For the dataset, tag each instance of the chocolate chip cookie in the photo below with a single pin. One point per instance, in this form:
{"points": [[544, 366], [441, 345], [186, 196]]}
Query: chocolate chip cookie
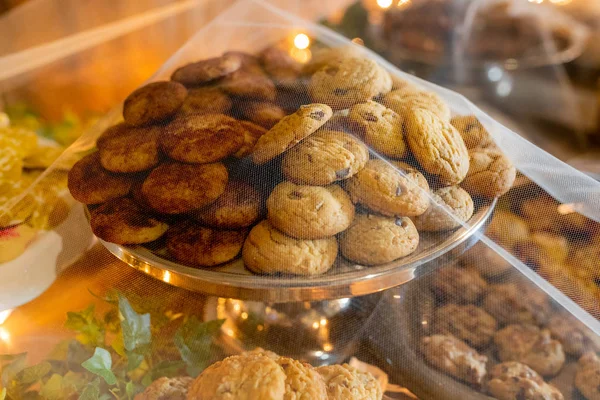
{"points": [[345, 382], [514, 303], [491, 174], [468, 323], [238, 207], [587, 377], [408, 99], [153, 103], [207, 70], [575, 337], [472, 131], [458, 285], [450, 207], [512, 380]]}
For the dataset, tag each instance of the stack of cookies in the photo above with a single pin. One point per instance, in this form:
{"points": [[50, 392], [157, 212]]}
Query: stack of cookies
{"points": [[288, 165]]}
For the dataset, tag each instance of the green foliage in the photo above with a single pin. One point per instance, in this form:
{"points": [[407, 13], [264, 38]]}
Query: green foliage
{"points": [[194, 342], [100, 364]]}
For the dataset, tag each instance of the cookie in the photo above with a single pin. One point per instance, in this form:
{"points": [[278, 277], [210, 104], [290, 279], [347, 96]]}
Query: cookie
{"points": [[329, 56], [345, 382], [349, 81], [473, 133], [268, 251], [449, 209], [458, 285], [89, 183], [262, 113], [201, 138], [491, 174], [513, 303], [380, 127], [575, 337], [401, 83], [468, 323], [207, 70], [392, 189], [175, 188], [531, 346], [251, 82], [238, 207], [251, 133], [587, 377], [512, 380], [153, 103], [374, 239], [132, 150], [325, 157], [302, 381], [277, 62], [206, 100], [309, 212], [437, 146], [121, 221], [507, 229], [543, 248], [289, 131], [407, 99], [166, 388]]}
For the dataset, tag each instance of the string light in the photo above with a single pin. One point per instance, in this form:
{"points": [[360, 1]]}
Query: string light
{"points": [[301, 41], [384, 3]]}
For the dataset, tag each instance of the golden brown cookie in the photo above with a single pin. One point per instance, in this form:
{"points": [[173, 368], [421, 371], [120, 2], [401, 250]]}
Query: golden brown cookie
{"points": [[132, 150], [302, 381], [380, 127], [587, 377], [277, 62], [374, 239], [268, 251], [175, 188], [325, 157], [345, 382], [167, 389], [206, 100], [263, 113], [473, 133], [250, 81], [207, 70], [238, 207], [449, 209], [468, 323], [575, 337], [329, 56], [491, 173], [153, 103], [401, 83], [437, 146], [458, 285], [289, 131], [516, 303], [89, 183], [309, 212], [193, 244], [121, 221], [392, 189], [512, 380], [405, 100], [202, 138], [251, 133]]}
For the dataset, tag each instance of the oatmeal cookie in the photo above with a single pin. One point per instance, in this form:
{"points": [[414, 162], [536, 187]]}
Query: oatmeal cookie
{"points": [[405, 100], [175, 188], [205, 100], [193, 244], [121, 221], [166, 389], [238, 207], [531, 346], [473, 133], [380, 127], [437, 146], [513, 303], [512, 380], [309, 212], [269, 251], [374, 239], [587, 377], [131, 150], [263, 113], [251, 133], [89, 183], [154, 102], [325, 157], [391, 189], [491, 174], [289, 131], [345, 382], [302, 381], [458, 285], [202, 138], [207, 70], [451, 206], [455, 358], [468, 323], [574, 336]]}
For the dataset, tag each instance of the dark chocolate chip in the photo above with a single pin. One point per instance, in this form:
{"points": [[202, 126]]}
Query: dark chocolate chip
{"points": [[401, 222], [370, 117], [317, 115]]}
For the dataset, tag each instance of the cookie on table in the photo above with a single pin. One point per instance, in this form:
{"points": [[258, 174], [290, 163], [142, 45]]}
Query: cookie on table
{"points": [[587, 377], [531, 346], [455, 358], [130, 150], [251, 133], [238, 207], [345, 382], [575, 337], [513, 380], [196, 245], [167, 388], [89, 183], [283, 68], [408, 99], [153, 103], [175, 188], [325, 157], [458, 285], [201, 138], [449, 208], [309, 212], [374, 239], [380, 127], [122, 221], [289, 131], [473, 132], [263, 113], [392, 189], [512, 303], [269, 251], [206, 100], [468, 323], [207, 70], [491, 174]]}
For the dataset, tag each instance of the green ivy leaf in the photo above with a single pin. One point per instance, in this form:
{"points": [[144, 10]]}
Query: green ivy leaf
{"points": [[90, 330], [91, 391], [135, 327], [10, 371], [30, 375], [133, 360], [194, 341], [130, 390], [100, 364], [147, 380], [54, 389], [77, 353]]}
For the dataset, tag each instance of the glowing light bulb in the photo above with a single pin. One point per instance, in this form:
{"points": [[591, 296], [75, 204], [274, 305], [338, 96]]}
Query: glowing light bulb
{"points": [[4, 335], [323, 321], [315, 325], [384, 3], [301, 41], [244, 315]]}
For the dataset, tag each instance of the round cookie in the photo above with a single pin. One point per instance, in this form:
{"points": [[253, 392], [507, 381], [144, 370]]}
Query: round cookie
{"points": [[374, 239], [289, 131], [309, 212], [469, 323], [407, 99], [202, 138], [251, 133], [249, 82], [175, 188], [450, 207], [575, 337], [325, 157], [380, 127], [329, 55], [278, 63], [207, 70], [302, 381], [345, 382], [458, 285], [89, 183], [121, 221], [238, 207], [513, 303], [587, 377], [154, 102], [268, 251], [131, 150], [206, 100], [473, 133], [166, 388], [195, 245], [512, 380], [380, 187], [263, 113], [491, 174]]}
